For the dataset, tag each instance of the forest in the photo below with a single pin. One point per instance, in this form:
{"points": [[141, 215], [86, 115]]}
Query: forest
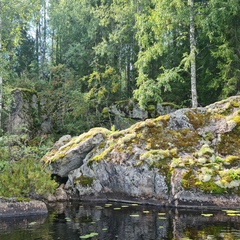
{"points": [[83, 56]]}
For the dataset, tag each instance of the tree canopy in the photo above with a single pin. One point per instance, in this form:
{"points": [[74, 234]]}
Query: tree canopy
{"points": [[82, 56]]}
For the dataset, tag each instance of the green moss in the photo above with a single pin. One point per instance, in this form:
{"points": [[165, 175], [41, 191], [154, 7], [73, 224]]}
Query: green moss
{"points": [[24, 90], [163, 119], [105, 110], [197, 120], [233, 161], [154, 156], [207, 171], [229, 143], [84, 181], [208, 136], [184, 139], [236, 119], [55, 155], [159, 159], [189, 180], [23, 199], [151, 108], [235, 104], [206, 151], [209, 187]]}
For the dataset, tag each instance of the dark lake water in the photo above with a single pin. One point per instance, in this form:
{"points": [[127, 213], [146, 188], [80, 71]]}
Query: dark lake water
{"points": [[110, 221]]}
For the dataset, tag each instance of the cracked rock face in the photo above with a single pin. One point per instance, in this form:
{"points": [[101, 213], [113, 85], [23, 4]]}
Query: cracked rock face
{"points": [[110, 180], [188, 157]]}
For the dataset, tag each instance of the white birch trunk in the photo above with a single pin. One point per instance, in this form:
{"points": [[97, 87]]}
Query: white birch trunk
{"points": [[193, 56]]}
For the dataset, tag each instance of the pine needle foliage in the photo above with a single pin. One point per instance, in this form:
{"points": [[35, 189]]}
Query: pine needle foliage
{"points": [[26, 178]]}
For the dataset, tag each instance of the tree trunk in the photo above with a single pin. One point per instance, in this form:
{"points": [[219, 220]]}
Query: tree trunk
{"points": [[44, 40], [37, 45], [1, 79], [193, 56]]}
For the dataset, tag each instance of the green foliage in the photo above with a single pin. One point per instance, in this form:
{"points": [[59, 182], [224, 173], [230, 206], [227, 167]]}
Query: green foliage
{"points": [[22, 174], [26, 178], [103, 85], [98, 52], [84, 181]]}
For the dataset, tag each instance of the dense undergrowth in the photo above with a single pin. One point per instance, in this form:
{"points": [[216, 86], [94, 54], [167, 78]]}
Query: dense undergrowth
{"points": [[22, 175]]}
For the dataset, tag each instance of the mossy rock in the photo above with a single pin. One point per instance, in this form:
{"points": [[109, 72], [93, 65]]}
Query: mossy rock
{"points": [[57, 154], [189, 180]]}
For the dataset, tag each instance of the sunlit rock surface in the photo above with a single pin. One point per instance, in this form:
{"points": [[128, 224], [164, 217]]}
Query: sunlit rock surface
{"points": [[188, 157]]}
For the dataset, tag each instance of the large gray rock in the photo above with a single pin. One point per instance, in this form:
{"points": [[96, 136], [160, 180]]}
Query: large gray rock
{"points": [[24, 111], [27, 113], [188, 157], [115, 181]]}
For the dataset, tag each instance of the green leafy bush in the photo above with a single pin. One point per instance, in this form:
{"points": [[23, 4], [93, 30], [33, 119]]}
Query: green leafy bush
{"points": [[22, 175], [26, 178]]}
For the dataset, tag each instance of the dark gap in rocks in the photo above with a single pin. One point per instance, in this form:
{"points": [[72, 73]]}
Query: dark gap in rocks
{"points": [[60, 180]]}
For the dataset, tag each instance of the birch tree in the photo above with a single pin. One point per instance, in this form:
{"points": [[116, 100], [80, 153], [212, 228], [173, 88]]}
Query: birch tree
{"points": [[193, 56]]}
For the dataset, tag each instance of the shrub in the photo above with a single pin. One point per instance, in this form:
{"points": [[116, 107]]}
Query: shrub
{"points": [[26, 178]]}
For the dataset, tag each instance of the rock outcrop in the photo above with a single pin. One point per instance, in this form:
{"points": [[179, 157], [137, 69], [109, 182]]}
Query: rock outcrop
{"points": [[126, 113], [14, 208], [27, 113], [190, 157]]}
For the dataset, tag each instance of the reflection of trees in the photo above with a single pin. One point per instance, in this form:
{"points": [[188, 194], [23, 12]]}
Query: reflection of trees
{"points": [[12, 226], [69, 222], [191, 224]]}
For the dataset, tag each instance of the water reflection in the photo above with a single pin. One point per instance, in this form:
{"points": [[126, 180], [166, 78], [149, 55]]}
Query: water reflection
{"points": [[108, 221]]}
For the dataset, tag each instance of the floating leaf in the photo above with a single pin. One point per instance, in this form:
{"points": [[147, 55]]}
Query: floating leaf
{"points": [[98, 207], [207, 214], [93, 234], [104, 229], [89, 235], [146, 212], [117, 208], [233, 214], [232, 211], [108, 205], [161, 227], [85, 236]]}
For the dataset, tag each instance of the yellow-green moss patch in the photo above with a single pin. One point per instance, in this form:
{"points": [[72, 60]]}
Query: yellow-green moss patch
{"points": [[60, 153], [85, 181]]}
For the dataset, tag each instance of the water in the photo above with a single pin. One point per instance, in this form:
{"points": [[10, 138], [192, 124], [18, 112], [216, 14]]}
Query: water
{"points": [[109, 221]]}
